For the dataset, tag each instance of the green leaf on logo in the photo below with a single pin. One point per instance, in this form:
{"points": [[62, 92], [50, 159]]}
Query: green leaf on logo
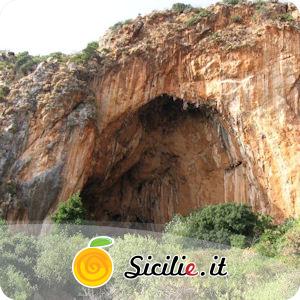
{"points": [[101, 241]]}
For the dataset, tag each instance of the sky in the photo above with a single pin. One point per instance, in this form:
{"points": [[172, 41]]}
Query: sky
{"points": [[45, 26]]}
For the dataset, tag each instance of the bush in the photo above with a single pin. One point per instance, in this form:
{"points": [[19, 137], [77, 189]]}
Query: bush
{"points": [[216, 223], [269, 242], [286, 17], [264, 222], [130, 245], [70, 212], [116, 26], [237, 241], [56, 253], [87, 53], [15, 284], [18, 250], [18, 254], [120, 24], [181, 7], [26, 63], [232, 2], [4, 91], [192, 21], [251, 276], [237, 19], [202, 13], [250, 273], [59, 56], [290, 244], [90, 50], [3, 65], [259, 4], [2, 223], [283, 239]]}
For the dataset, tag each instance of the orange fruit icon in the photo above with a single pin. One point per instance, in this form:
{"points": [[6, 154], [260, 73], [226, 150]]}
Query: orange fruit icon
{"points": [[92, 266]]}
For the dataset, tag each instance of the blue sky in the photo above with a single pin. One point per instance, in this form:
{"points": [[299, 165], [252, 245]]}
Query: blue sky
{"points": [[44, 26]]}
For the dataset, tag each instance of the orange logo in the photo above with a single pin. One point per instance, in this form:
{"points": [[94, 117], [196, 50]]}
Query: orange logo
{"points": [[92, 266]]}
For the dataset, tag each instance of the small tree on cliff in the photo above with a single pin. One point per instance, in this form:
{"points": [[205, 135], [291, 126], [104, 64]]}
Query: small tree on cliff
{"points": [[70, 212]]}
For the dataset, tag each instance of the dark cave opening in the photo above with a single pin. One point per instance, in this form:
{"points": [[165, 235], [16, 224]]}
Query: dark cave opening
{"points": [[168, 157]]}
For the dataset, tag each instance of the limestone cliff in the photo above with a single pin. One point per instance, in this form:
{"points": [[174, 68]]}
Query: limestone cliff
{"points": [[178, 110]]}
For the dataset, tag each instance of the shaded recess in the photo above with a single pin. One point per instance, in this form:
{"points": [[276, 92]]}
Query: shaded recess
{"points": [[168, 157]]}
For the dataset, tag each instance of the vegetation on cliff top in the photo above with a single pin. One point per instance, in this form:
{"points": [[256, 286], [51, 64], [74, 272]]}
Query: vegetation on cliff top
{"points": [[22, 64]]}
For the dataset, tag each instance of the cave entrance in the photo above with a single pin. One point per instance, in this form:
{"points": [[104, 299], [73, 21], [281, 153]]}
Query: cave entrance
{"points": [[168, 157]]}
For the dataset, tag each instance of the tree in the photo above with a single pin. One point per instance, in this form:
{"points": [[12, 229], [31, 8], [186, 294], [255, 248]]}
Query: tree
{"points": [[70, 212]]}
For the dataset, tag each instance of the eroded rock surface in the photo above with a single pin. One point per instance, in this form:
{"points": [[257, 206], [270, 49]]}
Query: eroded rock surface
{"points": [[171, 117]]}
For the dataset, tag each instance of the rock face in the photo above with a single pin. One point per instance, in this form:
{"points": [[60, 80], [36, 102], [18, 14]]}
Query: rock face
{"points": [[180, 110]]}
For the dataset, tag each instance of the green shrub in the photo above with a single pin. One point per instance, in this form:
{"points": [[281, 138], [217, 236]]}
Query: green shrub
{"points": [[269, 242], [70, 212], [15, 284], [216, 223], [202, 13], [250, 273], [280, 240], [59, 56], [237, 241], [237, 19], [3, 65], [264, 222], [261, 7], [286, 17], [181, 7], [133, 244], [192, 21], [120, 24], [18, 250], [89, 52], [116, 26], [179, 225], [4, 91], [259, 3], [128, 21], [26, 63], [56, 253], [251, 276], [290, 242], [232, 2]]}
